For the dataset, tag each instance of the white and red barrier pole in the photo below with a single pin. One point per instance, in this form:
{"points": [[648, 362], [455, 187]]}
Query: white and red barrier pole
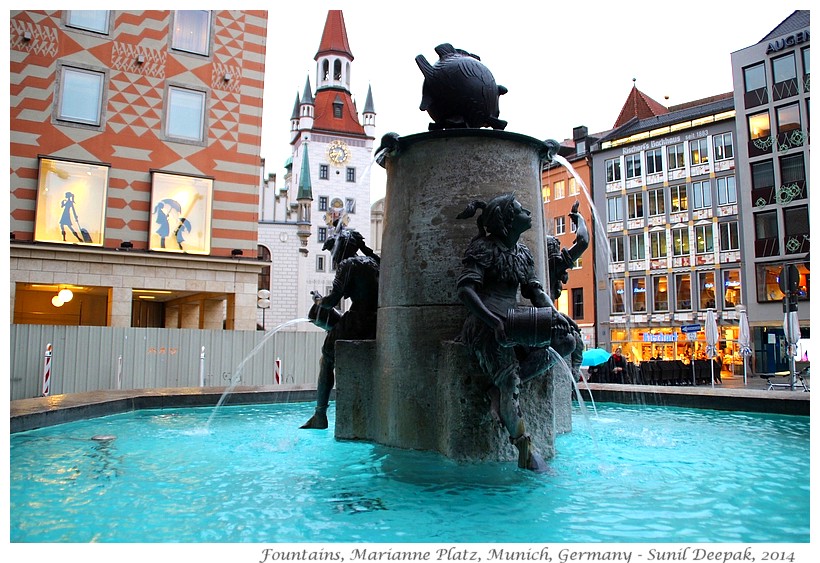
{"points": [[277, 371], [47, 371]]}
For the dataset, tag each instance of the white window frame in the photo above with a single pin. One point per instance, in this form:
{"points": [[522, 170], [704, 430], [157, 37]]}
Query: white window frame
{"points": [[95, 21], [186, 22], [654, 196], [178, 94], [560, 225], [614, 209], [632, 163], [726, 190], [704, 239], [75, 87], [724, 146], [613, 170], [702, 195], [675, 153]]}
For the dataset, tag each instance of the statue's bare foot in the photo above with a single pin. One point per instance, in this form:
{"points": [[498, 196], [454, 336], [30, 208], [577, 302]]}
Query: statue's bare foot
{"points": [[528, 458], [316, 422]]}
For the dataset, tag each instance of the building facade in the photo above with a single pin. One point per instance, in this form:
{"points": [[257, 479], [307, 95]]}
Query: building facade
{"points": [[771, 94], [326, 181], [561, 190], [135, 167], [665, 184]]}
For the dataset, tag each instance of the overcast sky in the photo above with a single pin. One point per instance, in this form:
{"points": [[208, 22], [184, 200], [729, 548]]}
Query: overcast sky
{"points": [[564, 64]]}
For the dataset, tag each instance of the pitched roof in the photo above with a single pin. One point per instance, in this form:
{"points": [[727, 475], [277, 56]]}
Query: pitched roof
{"points": [[334, 36], [638, 105], [797, 20], [324, 118], [305, 188]]}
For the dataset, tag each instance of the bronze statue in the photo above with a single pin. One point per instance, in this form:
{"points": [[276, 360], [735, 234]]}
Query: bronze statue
{"points": [[357, 278], [495, 266], [459, 91], [560, 261]]}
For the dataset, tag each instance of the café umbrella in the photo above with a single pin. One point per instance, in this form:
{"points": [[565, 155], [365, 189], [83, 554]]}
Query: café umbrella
{"points": [[711, 339], [744, 340], [594, 357]]}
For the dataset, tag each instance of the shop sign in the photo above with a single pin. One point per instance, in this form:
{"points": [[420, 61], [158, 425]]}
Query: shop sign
{"points": [[788, 41], [649, 337]]}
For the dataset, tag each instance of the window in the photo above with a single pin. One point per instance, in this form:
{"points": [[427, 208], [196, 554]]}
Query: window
{"points": [[675, 156], [792, 169], [731, 288], [71, 202], [614, 209], [618, 296], [560, 226], [706, 290], [320, 263], [759, 127], [545, 194], [679, 199], [699, 152], [767, 234], [806, 66], [81, 96], [654, 161], [351, 175], [89, 20], [783, 68], [321, 234], [322, 203], [324, 172], [683, 292], [613, 170], [634, 204], [350, 205], [754, 77], [633, 166], [616, 249], [726, 190], [637, 247], [680, 242], [578, 303], [657, 244], [796, 227], [762, 174], [704, 240], [572, 187], [701, 195], [192, 31], [660, 293], [724, 149], [185, 118], [639, 295], [181, 213], [788, 118], [729, 236], [263, 280], [337, 106], [558, 189], [657, 202]]}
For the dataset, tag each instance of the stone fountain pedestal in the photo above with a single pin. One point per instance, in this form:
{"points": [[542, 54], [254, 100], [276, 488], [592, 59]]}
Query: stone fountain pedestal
{"points": [[415, 386]]}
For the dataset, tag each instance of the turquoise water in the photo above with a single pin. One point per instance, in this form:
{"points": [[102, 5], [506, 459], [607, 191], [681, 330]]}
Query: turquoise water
{"points": [[629, 474]]}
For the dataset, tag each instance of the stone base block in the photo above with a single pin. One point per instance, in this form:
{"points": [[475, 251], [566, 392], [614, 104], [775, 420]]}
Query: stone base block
{"points": [[459, 425]]}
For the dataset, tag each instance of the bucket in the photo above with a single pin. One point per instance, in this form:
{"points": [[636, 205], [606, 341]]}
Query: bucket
{"points": [[530, 326], [324, 318]]}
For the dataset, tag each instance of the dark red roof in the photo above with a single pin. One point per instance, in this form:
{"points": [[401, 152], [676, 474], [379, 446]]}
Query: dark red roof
{"points": [[639, 105], [334, 36], [323, 112]]}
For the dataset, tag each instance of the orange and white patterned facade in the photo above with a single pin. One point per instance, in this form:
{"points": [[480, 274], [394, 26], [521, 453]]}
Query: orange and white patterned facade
{"points": [[135, 166]]}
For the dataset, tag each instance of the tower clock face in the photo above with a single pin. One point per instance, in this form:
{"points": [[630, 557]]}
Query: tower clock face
{"points": [[338, 153]]}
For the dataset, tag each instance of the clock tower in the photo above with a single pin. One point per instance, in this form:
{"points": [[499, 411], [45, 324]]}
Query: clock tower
{"points": [[333, 147]]}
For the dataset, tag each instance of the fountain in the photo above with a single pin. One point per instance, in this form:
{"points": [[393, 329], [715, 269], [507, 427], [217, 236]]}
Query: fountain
{"points": [[416, 386]]}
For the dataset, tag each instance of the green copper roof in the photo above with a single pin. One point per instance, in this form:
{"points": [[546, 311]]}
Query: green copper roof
{"points": [[305, 189]]}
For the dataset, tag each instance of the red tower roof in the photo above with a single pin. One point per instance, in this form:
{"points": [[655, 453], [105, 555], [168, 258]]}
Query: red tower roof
{"points": [[639, 105], [334, 37]]}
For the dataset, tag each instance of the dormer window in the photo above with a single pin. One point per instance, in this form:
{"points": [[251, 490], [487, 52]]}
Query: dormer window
{"points": [[337, 107]]}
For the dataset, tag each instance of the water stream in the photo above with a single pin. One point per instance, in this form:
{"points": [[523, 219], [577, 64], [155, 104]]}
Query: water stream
{"points": [[237, 377]]}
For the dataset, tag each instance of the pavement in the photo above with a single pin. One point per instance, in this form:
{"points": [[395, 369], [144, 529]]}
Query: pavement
{"points": [[731, 394]]}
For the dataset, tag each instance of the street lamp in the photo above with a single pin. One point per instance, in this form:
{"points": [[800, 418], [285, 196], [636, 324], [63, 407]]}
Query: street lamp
{"points": [[263, 302]]}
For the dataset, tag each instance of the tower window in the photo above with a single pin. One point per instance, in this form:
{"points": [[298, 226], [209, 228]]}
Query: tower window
{"points": [[337, 110]]}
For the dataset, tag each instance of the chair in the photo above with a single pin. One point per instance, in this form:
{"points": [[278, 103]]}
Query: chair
{"points": [[647, 377]]}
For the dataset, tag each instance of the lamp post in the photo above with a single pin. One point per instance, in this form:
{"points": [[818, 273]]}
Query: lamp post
{"points": [[263, 302]]}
